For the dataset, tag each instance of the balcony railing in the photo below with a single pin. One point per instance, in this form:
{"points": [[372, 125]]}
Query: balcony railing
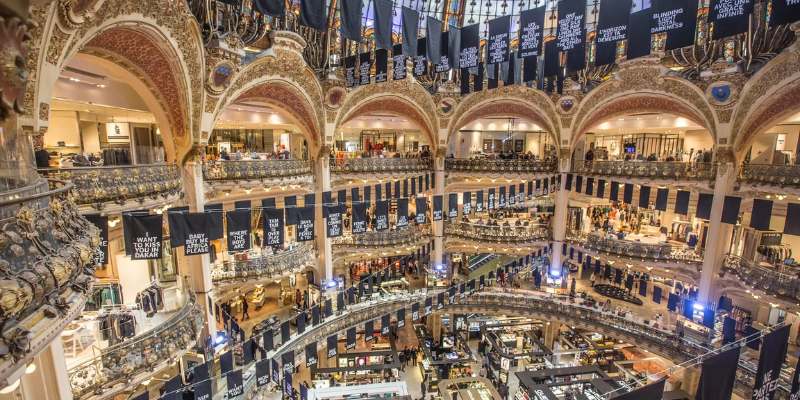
{"points": [[380, 165], [768, 174], [266, 266], [771, 281], [119, 183], [225, 170], [125, 364], [668, 170], [635, 249], [396, 237], [498, 166], [498, 234]]}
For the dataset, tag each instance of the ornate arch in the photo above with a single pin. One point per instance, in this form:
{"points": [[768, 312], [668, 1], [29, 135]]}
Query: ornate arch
{"points": [[403, 97], [768, 98], [284, 74], [515, 101], [158, 42], [642, 88]]}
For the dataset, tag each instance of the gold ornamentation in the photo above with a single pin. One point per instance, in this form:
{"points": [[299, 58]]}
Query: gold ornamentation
{"points": [[13, 74]]}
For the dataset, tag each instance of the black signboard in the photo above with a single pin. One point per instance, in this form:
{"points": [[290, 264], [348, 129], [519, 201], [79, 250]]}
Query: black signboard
{"points": [[333, 343], [381, 65], [398, 72], [730, 17], [612, 26], [238, 223], [381, 215], [437, 208], [350, 71], [146, 236], [359, 223], [470, 46], [452, 205], [530, 32], [422, 208], [773, 353], [304, 231], [498, 46], [364, 67]]}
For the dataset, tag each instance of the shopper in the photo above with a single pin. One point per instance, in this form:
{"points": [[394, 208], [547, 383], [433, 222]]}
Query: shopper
{"points": [[245, 307]]}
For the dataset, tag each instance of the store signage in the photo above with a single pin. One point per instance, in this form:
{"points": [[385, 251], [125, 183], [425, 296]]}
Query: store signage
{"points": [[422, 208], [305, 224], [262, 372], [381, 215], [238, 222], [773, 352], [530, 32], [101, 222], [146, 236], [402, 212], [730, 17], [311, 354], [235, 386], [196, 239], [118, 132], [437, 208], [333, 342], [497, 50]]}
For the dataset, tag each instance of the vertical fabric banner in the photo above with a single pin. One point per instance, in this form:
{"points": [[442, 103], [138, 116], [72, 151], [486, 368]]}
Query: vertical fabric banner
{"points": [[402, 212], [350, 71], [215, 228], [499, 42], [262, 373], [383, 23], [531, 30], [443, 63], [304, 231], [350, 341], [401, 317], [385, 322], [422, 208], [381, 215], [452, 206], [479, 201], [381, 65], [466, 200], [359, 223], [470, 47], [410, 26], [652, 391], [146, 235], [437, 208], [612, 26], [773, 353], [420, 66], [784, 12], [678, 18], [433, 36], [313, 14], [399, 72], [490, 200], [273, 226], [350, 19], [311, 354], [761, 214], [571, 32], [274, 8], [196, 239], [717, 376], [639, 24], [369, 331], [333, 221], [177, 225], [101, 222], [238, 222], [794, 393], [364, 68], [333, 342], [729, 17], [454, 47], [235, 386]]}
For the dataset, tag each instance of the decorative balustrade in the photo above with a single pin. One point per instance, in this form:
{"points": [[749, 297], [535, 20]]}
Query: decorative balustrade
{"points": [[118, 184], [499, 166], [379, 165], [771, 281], [393, 237], [226, 170], [498, 234], [669, 170], [635, 249], [122, 366], [265, 266], [768, 174]]}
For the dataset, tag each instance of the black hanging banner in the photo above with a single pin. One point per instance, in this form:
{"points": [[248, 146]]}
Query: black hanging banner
{"points": [[202, 390], [639, 24], [678, 18], [652, 391], [290, 204], [415, 312], [773, 353], [530, 32], [730, 209], [794, 393], [350, 71], [501, 198], [730, 17], [215, 227], [274, 8], [784, 12], [454, 47], [571, 32], [383, 23], [704, 201], [311, 354], [402, 212], [101, 222], [238, 222], [364, 67], [761, 214], [682, 202], [422, 208], [627, 193], [490, 200], [276, 371], [359, 224], [466, 200], [399, 72], [235, 386], [452, 206], [333, 342], [304, 231], [369, 331], [433, 45], [792, 224], [196, 239], [661, 199], [385, 322], [718, 375], [551, 59], [262, 373], [612, 26], [273, 226], [350, 19], [146, 233], [401, 317], [644, 197], [421, 60], [410, 19], [470, 46], [350, 342], [177, 225], [498, 46], [601, 188], [479, 201], [381, 65], [381, 215], [313, 14], [437, 208], [443, 64]]}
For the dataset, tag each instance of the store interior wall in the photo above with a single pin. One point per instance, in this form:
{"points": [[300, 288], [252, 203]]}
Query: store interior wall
{"points": [[466, 143]]}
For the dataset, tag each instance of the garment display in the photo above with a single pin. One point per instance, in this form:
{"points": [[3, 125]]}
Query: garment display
{"points": [[151, 300], [116, 326], [104, 294], [116, 157]]}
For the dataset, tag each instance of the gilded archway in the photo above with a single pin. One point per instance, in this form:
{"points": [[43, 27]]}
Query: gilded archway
{"points": [[640, 88], [158, 42], [511, 101], [404, 97], [283, 79], [768, 98]]}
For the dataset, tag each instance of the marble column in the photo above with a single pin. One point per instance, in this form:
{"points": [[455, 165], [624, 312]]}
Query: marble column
{"points": [[438, 226], [322, 183], [559, 221], [719, 234]]}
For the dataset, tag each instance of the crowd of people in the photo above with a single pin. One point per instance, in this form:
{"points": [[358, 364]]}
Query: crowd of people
{"points": [[692, 156]]}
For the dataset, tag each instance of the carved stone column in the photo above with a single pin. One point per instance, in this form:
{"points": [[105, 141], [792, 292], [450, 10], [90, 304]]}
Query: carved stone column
{"points": [[437, 227], [322, 183], [559, 221]]}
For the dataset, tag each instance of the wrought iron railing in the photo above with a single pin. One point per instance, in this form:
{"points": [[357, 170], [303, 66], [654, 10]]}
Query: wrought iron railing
{"points": [[255, 169], [649, 169], [629, 248], [771, 281], [393, 237], [120, 183], [380, 165], [769, 174], [123, 364], [498, 234], [265, 266], [499, 166]]}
